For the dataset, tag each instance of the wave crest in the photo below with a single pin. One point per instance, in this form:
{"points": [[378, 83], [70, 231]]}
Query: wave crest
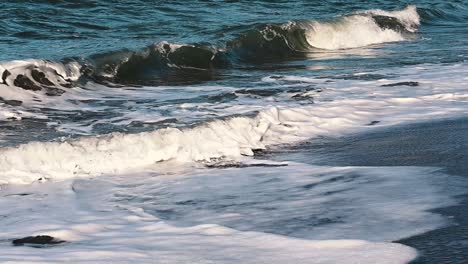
{"points": [[169, 62], [363, 29]]}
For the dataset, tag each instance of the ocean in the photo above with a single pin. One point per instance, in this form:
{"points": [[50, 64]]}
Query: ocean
{"points": [[219, 131]]}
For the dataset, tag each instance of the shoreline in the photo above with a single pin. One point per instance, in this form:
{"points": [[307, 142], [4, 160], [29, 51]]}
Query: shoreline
{"points": [[441, 143]]}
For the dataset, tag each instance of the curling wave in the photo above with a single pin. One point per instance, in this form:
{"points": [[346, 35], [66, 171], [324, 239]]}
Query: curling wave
{"points": [[168, 62]]}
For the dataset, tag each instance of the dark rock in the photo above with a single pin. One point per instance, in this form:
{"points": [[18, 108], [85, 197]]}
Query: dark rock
{"points": [[259, 92], [52, 91], [276, 77], [40, 77], [11, 102], [18, 194], [401, 84], [300, 97], [37, 240], [25, 83], [305, 89], [373, 123], [5, 75]]}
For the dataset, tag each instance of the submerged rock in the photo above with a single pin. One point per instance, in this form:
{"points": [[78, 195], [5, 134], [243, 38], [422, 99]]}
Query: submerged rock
{"points": [[401, 84], [11, 102], [259, 92], [52, 91], [375, 122], [37, 241]]}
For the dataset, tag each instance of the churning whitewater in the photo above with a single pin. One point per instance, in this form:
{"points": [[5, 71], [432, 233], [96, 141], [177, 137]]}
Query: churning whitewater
{"points": [[231, 131], [232, 138]]}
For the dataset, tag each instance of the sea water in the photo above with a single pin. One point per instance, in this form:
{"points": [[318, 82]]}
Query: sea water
{"points": [[155, 131]]}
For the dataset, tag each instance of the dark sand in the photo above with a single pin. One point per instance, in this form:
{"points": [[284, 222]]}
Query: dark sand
{"points": [[441, 144]]}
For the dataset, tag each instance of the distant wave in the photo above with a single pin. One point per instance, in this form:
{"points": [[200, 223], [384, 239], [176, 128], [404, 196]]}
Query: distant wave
{"points": [[164, 59]]}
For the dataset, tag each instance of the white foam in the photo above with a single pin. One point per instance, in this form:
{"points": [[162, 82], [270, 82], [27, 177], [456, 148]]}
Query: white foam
{"points": [[119, 153], [408, 16], [7, 114], [360, 30], [351, 32], [344, 106], [103, 231], [298, 200]]}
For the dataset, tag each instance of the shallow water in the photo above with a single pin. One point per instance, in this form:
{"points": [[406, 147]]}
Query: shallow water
{"points": [[148, 116]]}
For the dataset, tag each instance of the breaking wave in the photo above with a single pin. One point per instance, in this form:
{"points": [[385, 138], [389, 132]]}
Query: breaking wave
{"points": [[363, 29], [209, 141], [167, 62]]}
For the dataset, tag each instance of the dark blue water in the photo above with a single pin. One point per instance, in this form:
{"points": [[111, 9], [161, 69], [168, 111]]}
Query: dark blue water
{"points": [[64, 29]]}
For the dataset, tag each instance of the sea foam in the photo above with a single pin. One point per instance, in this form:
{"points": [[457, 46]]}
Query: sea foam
{"points": [[98, 230], [361, 29]]}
